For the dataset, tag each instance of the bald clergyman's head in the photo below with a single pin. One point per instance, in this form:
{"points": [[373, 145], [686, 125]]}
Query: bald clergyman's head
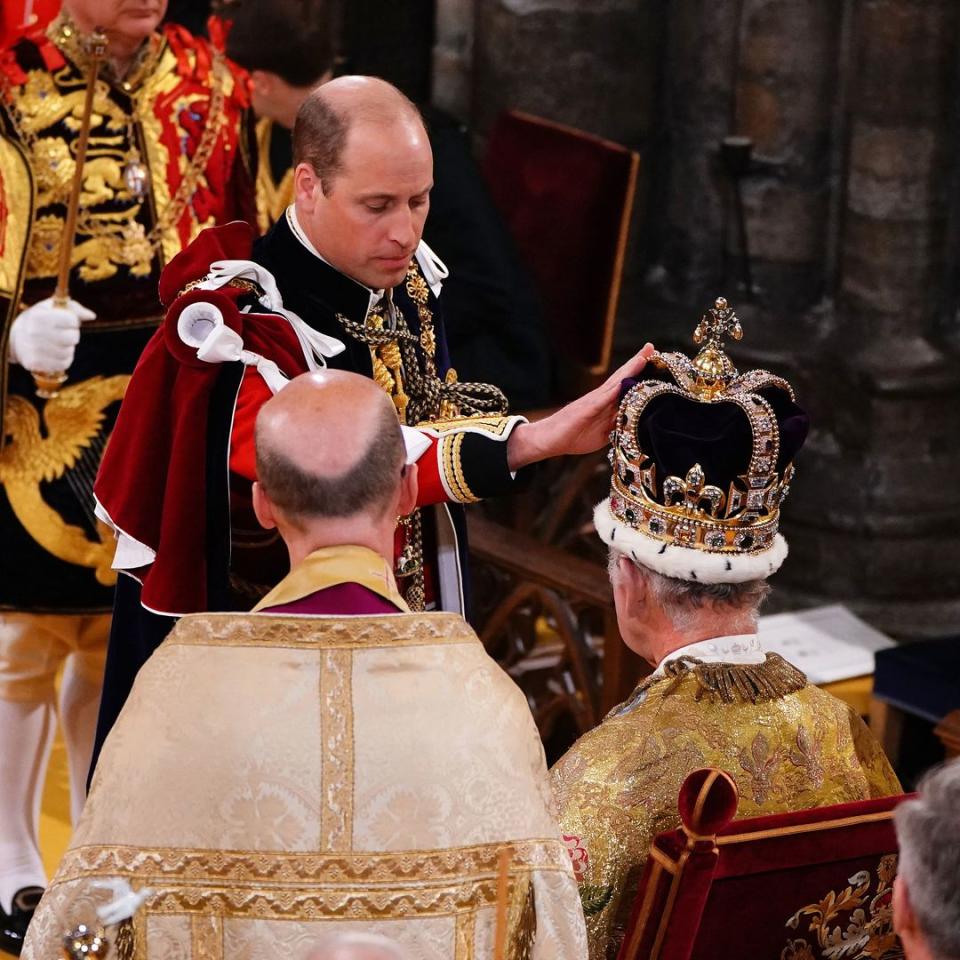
{"points": [[329, 445]]}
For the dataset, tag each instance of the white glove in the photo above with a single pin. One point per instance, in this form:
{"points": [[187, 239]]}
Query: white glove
{"points": [[44, 337]]}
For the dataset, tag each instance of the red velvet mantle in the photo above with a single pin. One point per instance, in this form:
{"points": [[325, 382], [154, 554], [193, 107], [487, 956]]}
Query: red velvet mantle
{"points": [[153, 480]]}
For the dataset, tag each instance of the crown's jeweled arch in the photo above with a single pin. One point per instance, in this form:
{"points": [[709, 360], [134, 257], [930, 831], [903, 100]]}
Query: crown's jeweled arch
{"points": [[688, 510]]}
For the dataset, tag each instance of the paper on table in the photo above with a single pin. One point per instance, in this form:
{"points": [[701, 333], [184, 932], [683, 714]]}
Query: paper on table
{"points": [[826, 643]]}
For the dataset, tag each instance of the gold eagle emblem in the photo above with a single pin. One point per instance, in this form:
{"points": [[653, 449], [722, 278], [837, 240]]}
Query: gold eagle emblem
{"points": [[58, 444]]}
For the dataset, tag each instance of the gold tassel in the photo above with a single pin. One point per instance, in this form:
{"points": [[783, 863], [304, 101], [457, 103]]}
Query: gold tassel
{"points": [[733, 682]]}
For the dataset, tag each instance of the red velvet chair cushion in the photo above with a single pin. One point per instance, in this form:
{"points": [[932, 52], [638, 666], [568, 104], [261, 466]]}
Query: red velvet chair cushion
{"points": [[565, 196]]}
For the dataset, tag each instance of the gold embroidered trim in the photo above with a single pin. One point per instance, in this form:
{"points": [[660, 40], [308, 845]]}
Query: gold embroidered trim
{"points": [[279, 886], [495, 426], [464, 935], [65, 439], [336, 728], [248, 286], [522, 922], [17, 199], [312, 633], [863, 916], [453, 469], [272, 197]]}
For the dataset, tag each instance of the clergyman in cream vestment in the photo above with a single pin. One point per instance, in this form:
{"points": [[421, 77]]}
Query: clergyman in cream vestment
{"points": [[275, 778]]}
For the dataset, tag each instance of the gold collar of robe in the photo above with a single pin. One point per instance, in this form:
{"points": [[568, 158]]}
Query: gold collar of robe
{"points": [[332, 566]]}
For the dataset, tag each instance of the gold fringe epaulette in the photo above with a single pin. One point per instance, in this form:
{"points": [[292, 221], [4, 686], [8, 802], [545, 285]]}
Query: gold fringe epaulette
{"points": [[737, 682]]}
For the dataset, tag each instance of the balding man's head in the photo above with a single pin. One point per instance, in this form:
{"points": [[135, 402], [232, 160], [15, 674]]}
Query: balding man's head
{"points": [[329, 445], [364, 171]]}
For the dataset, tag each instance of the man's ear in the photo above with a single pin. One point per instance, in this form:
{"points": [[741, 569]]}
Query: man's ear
{"points": [[632, 583], [262, 82], [263, 508], [904, 919], [306, 186], [409, 488]]}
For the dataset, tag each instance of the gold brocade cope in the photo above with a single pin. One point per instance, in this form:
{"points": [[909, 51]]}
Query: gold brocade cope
{"points": [[296, 774], [331, 566], [70, 442], [617, 787]]}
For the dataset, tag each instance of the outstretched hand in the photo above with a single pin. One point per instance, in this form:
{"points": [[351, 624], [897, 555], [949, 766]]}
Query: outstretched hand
{"points": [[581, 426]]}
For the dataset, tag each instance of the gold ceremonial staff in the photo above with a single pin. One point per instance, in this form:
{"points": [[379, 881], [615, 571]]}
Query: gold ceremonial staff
{"points": [[49, 382]]}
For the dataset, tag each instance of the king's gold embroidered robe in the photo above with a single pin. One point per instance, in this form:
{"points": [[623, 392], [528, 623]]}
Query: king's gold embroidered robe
{"points": [[617, 787], [272, 778]]}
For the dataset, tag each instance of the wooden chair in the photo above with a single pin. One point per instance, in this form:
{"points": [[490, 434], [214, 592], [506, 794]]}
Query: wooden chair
{"points": [[809, 885], [567, 199], [533, 581]]}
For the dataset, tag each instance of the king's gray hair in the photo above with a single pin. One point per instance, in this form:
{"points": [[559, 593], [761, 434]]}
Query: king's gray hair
{"points": [[682, 600], [928, 831]]}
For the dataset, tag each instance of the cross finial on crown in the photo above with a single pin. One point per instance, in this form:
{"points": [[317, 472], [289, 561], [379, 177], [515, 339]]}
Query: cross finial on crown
{"points": [[717, 323]]}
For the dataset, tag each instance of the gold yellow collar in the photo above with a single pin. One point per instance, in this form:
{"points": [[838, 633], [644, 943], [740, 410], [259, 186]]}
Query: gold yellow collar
{"points": [[331, 566]]}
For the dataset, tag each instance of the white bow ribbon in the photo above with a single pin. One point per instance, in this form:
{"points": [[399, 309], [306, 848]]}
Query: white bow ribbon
{"points": [[316, 346], [434, 269], [200, 325]]}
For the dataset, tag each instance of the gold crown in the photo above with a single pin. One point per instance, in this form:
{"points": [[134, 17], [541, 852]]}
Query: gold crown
{"points": [[688, 511]]}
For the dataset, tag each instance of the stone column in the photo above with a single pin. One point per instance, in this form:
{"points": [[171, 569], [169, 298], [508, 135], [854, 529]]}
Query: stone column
{"points": [[766, 70], [877, 514], [788, 94], [695, 112]]}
